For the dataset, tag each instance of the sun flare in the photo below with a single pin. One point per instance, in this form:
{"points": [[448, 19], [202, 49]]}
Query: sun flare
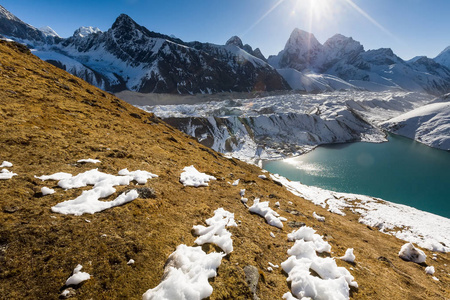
{"points": [[319, 9]]}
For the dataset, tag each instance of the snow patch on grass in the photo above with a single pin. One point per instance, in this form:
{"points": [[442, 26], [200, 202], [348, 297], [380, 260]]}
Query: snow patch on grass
{"points": [[186, 275], [103, 186], [6, 164], [349, 256], [411, 253], [188, 269], [77, 276], [47, 191], [318, 218], [89, 160], [332, 282], [216, 232], [263, 209], [5, 174], [192, 177]]}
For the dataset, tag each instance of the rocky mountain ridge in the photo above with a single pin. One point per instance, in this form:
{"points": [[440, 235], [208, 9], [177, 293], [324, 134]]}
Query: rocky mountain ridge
{"points": [[346, 59], [130, 57]]}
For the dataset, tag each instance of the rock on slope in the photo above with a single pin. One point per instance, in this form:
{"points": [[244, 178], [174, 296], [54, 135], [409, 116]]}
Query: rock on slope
{"points": [[50, 119]]}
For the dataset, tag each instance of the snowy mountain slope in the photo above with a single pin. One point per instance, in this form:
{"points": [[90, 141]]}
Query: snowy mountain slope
{"points": [[130, 57], [374, 70], [313, 83], [48, 31], [14, 28], [429, 124], [444, 57]]}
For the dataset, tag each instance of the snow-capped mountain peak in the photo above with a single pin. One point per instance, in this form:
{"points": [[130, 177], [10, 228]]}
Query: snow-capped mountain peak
{"points": [[339, 44], [124, 20], [5, 14], [444, 57], [48, 31], [85, 31], [235, 40], [301, 42]]}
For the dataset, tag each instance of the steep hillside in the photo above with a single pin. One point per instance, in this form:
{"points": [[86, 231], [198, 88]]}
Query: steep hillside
{"points": [[49, 120]]}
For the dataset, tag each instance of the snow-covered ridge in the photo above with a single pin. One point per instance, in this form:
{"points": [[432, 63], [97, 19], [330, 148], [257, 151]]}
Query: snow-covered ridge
{"points": [[444, 57], [429, 124], [84, 31], [48, 31]]}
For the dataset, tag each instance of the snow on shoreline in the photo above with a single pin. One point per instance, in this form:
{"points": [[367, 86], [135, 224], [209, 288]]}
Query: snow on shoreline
{"points": [[425, 229]]}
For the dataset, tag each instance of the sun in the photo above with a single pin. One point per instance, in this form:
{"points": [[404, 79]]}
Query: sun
{"points": [[318, 9]]}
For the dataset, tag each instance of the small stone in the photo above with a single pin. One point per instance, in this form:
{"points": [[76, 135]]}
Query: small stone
{"points": [[252, 278], [10, 209], [67, 293], [295, 224], [146, 193]]}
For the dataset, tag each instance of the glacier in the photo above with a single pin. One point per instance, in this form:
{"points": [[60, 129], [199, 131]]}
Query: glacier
{"points": [[277, 126]]}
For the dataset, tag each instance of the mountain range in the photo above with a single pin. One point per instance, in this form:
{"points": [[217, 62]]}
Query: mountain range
{"points": [[130, 57]]}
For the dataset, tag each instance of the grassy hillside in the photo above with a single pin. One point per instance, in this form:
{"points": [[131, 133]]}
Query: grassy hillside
{"points": [[50, 119]]}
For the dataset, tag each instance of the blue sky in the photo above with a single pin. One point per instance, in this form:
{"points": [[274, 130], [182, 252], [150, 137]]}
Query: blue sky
{"points": [[409, 27]]}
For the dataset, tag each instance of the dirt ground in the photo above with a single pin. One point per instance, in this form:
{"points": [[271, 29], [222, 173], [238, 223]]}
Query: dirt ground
{"points": [[49, 119]]}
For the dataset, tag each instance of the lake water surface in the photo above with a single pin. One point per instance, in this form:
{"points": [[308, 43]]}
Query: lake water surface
{"points": [[401, 171]]}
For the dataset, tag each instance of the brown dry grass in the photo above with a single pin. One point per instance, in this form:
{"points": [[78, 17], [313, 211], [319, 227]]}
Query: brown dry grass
{"points": [[50, 119]]}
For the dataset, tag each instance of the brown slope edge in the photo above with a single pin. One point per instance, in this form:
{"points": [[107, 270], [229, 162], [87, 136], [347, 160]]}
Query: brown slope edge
{"points": [[50, 119]]}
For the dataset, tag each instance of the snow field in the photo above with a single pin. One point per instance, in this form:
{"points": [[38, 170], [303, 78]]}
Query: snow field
{"points": [[191, 177], [188, 269], [103, 186], [263, 209], [333, 282]]}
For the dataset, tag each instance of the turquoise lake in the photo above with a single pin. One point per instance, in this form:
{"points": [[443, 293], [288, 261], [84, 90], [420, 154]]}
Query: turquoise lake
{"points": [[401, 171]]}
